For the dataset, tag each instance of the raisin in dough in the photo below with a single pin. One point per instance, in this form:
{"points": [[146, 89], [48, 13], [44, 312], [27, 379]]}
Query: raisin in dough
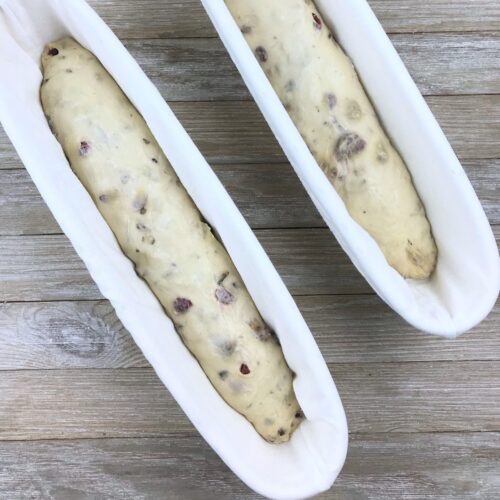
{"points": [[113, 153], [319, 87]]}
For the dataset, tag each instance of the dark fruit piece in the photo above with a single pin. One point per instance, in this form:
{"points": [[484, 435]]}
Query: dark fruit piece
{"points": [[261, 54], [84, 148], [181, 305], [332, 100], [317, 21], [224, 296], [348, 145]]}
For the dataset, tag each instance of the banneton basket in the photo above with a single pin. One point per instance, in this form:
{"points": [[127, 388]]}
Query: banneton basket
{"points": [[465, 285], [310, 462]]}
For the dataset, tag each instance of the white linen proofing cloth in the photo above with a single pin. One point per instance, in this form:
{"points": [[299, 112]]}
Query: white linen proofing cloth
{"points": [[310, 462], [465, 285]]}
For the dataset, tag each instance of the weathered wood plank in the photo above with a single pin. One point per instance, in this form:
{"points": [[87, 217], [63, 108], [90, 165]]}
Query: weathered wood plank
{"points": [[269, 196], [43, 268], [50, 335], [155, 18], [57, 404], [46, 268], [395, 466], [235, 132], [8, 155], [420, 397], [200, 69], [229, 132], [363, 329], [378, 397], [172, 18], [445, 466], [22, 209], [34, 268], [193, 69], [225, 132], [310, 255], [410, 16], [452, 64], [485, 178], [197, 69], [460, 126], [348, 329], [240, 126]]}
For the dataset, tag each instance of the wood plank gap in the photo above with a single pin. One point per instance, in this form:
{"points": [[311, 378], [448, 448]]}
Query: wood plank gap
{"points": [[331, 364], [416, 33], [189, 435]]}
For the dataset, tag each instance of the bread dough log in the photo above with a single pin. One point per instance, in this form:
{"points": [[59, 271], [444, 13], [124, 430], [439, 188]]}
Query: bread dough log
{"points": [[319, 87], [115, 156]]}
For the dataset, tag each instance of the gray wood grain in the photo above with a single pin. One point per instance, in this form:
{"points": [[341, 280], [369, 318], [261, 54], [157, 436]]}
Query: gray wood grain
{"points": [[42, 268], [411, 16], [430, 466], [235, 132], [377, 397], [173, 18], [200, 69], [444, 63], [348, 329], [268, 195], [189, 69], [155, 18], [59, 335], [8, 156], [392, 467], [362, 329], [46, 268]]}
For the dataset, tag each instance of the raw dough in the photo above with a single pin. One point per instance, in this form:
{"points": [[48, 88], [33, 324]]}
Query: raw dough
{"points": [[320, 89], [115, 156]]}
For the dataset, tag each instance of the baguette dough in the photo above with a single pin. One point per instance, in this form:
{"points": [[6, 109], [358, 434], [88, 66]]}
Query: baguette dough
{"points": [[320, 89], [115, 156]]}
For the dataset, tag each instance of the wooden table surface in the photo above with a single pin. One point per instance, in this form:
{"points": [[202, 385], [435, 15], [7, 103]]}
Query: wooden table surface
{"points": [[82, 415]]}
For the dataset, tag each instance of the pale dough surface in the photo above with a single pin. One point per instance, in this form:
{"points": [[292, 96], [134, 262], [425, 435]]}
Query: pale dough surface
{"points": [[113, 153], [320, 89]]}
